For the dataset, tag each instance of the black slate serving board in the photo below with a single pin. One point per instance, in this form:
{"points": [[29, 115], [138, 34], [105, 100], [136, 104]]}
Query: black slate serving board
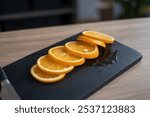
{"points": [[78, 84]]}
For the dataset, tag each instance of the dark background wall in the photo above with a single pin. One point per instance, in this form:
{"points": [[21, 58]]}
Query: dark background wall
{"points": [[20, 14]]}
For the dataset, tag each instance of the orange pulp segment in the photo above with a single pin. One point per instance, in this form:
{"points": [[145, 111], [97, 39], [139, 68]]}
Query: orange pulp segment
{"points": [[60, 55], [45, 77], [92, 41], [82, 49], [49, 66], [99, 36]]}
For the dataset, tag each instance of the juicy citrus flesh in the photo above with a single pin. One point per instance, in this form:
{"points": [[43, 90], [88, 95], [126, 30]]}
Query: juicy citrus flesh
{"points": [[92, 41], [99, 36], [45, 77], [82, 49], [60, 55], [49, 66]]}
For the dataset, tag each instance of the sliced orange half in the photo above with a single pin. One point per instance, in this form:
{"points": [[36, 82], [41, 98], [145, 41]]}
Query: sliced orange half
{"points": [[49, 66], [45, 77], [82, 49], [92, 41], [60, 55], [99, 36]]}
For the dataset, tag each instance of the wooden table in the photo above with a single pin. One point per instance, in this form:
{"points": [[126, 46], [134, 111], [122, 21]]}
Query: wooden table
{"points": [[133, 84]]}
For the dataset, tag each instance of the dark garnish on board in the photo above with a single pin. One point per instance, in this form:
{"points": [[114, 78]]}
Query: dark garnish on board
{"points": [[107, 56]]}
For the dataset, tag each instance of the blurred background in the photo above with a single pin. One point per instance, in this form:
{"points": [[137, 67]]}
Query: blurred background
{"points": [[23, 14]]}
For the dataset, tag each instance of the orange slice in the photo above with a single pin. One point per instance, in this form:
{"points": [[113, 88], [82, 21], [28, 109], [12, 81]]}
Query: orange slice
{"points": [[92, 41], [99, 36], [49, 66], [82, 49], [45, 77], [60, 55]]}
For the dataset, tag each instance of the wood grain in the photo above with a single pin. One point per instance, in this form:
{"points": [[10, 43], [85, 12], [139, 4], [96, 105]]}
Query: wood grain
{"points": [[133, 84]]}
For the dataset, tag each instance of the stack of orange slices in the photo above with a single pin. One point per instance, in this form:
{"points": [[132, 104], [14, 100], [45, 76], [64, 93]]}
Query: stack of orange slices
{"points": [[60, 60]]}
